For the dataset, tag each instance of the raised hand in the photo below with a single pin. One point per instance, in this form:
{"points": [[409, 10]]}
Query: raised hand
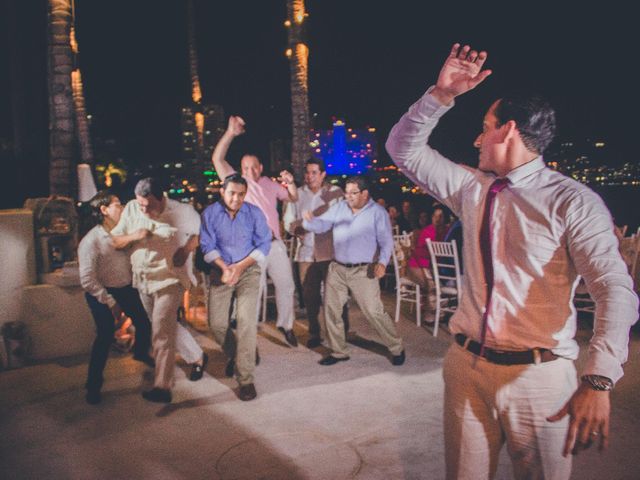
{"points": [[461, 72], [286, 177], [236, 126]]}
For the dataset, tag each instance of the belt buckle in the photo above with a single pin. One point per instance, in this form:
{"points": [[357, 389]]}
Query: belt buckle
{"points": [[537, 356]]}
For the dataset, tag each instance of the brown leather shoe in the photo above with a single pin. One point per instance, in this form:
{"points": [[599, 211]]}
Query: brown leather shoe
{"points": [[247, 392]]}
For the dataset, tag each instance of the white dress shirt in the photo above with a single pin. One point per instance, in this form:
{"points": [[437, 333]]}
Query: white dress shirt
{"points": [[102, 266], [152, 257], [546, 230], [312, 247]]}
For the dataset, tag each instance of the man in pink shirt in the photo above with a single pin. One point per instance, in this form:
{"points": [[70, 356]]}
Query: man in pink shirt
{"points": [[265, 193]]}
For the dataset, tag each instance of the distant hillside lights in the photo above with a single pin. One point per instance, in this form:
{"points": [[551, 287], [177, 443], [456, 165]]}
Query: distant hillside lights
{"points": [[589, 163]]}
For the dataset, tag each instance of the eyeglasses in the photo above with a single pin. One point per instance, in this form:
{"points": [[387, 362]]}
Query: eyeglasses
{"points": [[351, 194]]}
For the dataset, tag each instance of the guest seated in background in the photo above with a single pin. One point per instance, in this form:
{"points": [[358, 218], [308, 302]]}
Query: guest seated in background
{"points": [[392, 210], [419, 264], [407, 220]]}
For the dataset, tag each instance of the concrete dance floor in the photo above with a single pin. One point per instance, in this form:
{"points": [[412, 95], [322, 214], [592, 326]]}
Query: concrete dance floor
{"points": [[360, 419]]}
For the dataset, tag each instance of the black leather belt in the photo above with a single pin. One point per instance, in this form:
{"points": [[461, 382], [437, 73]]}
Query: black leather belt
{"points": [[506, 357], [351, 265]]}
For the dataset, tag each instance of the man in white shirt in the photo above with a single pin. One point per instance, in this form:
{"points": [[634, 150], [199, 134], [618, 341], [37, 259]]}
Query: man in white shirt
{"points": [[315, 251], [162, 264], [105, 275], [529, 232]]}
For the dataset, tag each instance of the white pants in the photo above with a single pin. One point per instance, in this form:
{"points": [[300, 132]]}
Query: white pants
{"points": [[278, 267], [186, 345], [486, 405], [162, 309]]}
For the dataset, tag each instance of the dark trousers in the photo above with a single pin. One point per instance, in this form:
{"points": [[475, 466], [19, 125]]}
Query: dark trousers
{"points": [[312, 275], [129, 300]]}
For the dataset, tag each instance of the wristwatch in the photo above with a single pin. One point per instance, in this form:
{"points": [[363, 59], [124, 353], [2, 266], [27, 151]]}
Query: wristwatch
{"points": [[598, 382]]}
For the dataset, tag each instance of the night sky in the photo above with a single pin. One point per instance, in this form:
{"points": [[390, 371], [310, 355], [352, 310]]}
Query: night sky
{"points": [[368, 62]]}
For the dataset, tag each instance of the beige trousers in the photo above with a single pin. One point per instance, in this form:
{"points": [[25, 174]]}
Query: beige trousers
{"points": [[162, 307], [366, 292], [240, 346], [486, 405]]}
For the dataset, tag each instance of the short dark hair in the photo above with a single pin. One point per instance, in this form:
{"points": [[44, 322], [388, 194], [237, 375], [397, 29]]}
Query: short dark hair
{"points": [[362, 182], [534, 118], [315, 161], [100, 199], [149, 186], [234, 178]]}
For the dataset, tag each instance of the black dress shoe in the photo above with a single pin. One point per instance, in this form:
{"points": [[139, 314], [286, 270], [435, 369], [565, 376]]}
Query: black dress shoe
{"points": [[146, 359], [314, 342], [93, 397], [289, 337], [331, 360], [197, 370], [158, 395], [398, 360], [230, 368], [247, 392]]}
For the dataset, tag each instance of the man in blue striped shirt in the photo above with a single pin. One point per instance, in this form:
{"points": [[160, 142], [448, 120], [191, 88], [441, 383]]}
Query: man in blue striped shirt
{"points": [[363, 244], [235, 239]]}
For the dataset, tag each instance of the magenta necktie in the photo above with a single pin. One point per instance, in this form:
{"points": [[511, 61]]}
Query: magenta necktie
{"points": [[485, 248]]}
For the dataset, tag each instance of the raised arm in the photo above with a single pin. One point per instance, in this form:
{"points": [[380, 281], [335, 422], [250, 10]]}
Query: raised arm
{"points": [[292, 189], [220, 164], [408, 140]]}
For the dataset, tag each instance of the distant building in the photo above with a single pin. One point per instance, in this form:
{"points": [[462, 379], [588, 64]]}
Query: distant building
{"points": [[279, 156], [207, 123], [345, 151]]}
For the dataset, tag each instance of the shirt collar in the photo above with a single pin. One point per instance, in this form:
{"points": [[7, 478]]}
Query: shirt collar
{"points": [[523, 171]]}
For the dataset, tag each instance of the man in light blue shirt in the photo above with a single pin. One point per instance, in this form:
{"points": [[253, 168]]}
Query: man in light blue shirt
{"points": [[235, 239], [363, 244]]}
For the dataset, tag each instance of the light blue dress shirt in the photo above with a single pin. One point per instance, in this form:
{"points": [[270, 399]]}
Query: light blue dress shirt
{"points": [[357, 237]]}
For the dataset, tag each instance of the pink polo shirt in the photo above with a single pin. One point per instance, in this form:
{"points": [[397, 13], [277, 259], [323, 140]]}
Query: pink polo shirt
{"points": [[265, 194]]}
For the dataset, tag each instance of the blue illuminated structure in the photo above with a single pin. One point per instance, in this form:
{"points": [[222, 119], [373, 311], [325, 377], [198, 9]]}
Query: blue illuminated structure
{"points": [[345, 151]]}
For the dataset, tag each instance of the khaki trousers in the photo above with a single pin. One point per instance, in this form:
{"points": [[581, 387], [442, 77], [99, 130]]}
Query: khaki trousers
{"points": [[161, 307], [486, 405], [240, 346], [366, 293]]}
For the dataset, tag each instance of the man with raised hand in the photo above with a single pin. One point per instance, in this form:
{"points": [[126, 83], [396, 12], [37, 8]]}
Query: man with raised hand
{"points": [[265, 193], [529, 232]]}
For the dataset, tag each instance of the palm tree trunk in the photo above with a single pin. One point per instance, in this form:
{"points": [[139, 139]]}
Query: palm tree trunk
{"points": [[61, 125], [298, 54], [82, 126]]}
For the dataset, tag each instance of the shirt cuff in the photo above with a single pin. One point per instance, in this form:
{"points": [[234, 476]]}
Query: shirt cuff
{"points": [[212, 256], [601, 363], [258, 256], [431, 107], [111, 301]]}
